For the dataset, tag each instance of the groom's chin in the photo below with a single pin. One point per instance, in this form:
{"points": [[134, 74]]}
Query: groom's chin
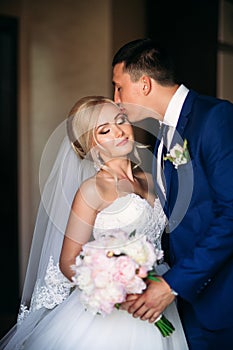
{"points": [[137, 113]]}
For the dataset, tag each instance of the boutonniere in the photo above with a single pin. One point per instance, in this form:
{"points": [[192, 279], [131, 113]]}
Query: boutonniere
{"points": [[178, 155]]}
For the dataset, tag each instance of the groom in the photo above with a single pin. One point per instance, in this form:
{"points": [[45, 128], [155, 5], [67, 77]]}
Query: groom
{"points": [[197, 195]]}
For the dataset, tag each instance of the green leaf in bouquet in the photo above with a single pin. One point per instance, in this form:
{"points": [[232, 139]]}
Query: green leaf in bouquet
{"points": [[132, 234]]}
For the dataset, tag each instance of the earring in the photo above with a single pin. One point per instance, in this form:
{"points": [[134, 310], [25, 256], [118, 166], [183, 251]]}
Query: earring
{"points": [[96, 167], [98, 162], [137, 156]]}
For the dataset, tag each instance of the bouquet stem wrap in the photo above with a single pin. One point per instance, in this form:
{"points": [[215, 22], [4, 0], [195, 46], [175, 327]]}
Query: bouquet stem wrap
{"points": [[162, 323]]}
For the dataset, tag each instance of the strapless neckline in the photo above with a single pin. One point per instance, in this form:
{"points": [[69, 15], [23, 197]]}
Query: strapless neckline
{"points": [[131, 213], [131, 196]]}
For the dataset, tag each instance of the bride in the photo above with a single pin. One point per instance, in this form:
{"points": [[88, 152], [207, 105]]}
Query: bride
{"points": [[97, 171]]}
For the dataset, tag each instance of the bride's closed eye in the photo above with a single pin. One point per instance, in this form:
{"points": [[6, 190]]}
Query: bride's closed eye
{"points": [[121, 119], [104, 131]]}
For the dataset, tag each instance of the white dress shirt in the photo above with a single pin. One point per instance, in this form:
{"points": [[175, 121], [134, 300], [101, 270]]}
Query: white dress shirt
{"points": [[171, 119]]}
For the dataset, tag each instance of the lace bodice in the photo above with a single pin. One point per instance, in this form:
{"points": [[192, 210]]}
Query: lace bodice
{"points": [[127, 214], [130, 213]]}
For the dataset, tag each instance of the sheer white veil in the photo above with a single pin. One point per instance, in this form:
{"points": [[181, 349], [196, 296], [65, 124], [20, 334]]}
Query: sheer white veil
{"points": [[57, 193], [67, 173]]}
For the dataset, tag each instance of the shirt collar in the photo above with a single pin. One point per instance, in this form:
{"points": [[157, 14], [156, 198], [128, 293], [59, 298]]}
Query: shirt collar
{"points": [[175, 105]]}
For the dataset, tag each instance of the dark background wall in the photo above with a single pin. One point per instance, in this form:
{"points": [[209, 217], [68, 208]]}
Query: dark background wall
{"points": [[189, 29]]}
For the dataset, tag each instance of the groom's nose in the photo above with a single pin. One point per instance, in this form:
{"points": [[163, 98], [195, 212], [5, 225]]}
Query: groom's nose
{"points": [[117, 98]]}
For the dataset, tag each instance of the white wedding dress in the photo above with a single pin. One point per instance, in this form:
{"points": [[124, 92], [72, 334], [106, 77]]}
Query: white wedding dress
{"points": [[68, 326]]}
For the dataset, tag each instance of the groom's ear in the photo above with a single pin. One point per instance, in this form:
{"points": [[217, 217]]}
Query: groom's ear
{"points": [[145, 84]]}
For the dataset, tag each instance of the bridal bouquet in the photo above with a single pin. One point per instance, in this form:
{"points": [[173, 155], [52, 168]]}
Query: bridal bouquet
{"points": [[112, 267]]}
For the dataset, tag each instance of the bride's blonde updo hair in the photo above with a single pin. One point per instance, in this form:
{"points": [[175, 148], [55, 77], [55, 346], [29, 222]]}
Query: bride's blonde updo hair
{"points": [[82, 120]]}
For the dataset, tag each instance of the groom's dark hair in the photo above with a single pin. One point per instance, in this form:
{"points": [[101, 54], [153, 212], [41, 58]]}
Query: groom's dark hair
{"points": [[144, 56]]}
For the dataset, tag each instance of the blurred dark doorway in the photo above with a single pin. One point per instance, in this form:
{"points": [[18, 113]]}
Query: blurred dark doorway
{"points": [[189, 30], [8, 175]]}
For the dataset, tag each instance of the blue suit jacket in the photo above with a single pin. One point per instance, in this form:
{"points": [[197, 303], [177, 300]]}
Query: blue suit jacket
{"points": [[200, 211]]}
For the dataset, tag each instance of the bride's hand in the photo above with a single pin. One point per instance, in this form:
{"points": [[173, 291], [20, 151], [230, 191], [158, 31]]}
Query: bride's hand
{"points": [[130, 299]]}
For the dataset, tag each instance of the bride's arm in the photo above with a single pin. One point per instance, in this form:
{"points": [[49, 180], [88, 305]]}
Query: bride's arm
{"points": [[70, 249], [79, 228]]}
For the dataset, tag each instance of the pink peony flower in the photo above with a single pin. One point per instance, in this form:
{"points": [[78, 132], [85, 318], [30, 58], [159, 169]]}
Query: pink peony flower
{"points": [[142, 272], [136, 286], [124, 270]]}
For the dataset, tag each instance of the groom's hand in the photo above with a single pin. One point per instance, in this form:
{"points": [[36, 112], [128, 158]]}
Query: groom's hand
{"points": [[153, 301]]}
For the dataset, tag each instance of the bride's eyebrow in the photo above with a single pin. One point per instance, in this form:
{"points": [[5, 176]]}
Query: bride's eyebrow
{"points": [[100, 126]]}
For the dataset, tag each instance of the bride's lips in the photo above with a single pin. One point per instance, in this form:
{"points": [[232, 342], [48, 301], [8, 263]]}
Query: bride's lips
{"points": [[122, 142]]}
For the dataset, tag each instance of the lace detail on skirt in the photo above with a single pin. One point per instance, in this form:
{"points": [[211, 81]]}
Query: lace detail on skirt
{"points": [[55, 290]]}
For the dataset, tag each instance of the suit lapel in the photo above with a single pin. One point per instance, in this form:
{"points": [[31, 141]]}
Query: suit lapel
{"points": [[178, 137]]}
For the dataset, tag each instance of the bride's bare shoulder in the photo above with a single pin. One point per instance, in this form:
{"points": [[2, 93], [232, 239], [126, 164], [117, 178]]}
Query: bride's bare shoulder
{"points": [[87, 194], [98, 191]]}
